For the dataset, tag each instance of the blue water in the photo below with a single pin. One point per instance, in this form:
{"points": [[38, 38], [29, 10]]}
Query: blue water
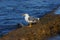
{"points": [[57, 11], [55, 38], [11, 10]]}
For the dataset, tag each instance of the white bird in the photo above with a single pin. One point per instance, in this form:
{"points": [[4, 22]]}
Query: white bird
{"points": [[30, 19]]}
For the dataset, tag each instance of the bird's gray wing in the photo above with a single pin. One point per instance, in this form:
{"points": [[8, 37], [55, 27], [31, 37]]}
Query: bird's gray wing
{"points": [[32, 18]]}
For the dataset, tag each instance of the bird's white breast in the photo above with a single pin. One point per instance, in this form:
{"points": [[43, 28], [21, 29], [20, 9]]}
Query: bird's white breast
{"points": [[26, 18]]}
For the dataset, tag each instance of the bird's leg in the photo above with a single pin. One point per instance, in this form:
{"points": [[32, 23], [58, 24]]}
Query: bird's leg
{"points": [[30, 25]]}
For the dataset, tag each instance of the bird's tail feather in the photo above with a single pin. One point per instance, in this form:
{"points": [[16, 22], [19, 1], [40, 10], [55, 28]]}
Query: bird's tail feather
{"points": [[38, 19]]}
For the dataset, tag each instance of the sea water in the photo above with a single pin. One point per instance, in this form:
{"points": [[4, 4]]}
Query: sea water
{"points": [[55, 38]]}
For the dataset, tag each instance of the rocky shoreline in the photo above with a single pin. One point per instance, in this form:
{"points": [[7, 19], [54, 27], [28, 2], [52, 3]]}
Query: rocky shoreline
{"points": [[48, 26]]}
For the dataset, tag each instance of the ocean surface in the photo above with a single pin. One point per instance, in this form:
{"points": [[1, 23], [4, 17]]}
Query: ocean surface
{"points": [[11, 10], [55, 38]]}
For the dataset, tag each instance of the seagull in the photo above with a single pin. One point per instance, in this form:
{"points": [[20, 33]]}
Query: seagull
{"points": [[30, 19]]}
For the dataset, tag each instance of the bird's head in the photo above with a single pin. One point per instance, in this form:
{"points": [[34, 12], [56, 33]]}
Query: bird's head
{"points": [[25, 14]]}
